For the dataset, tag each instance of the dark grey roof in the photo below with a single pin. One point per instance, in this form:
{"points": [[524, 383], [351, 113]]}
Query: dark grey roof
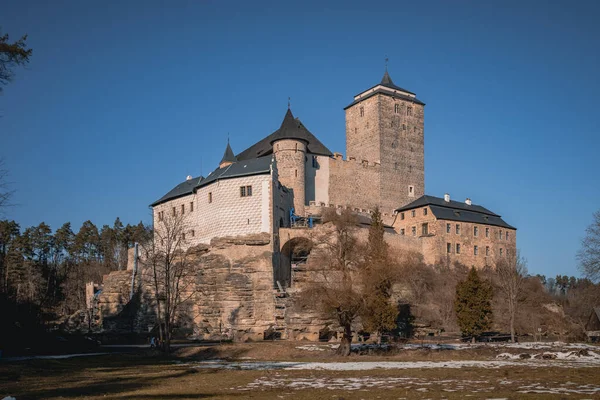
{"points": [[228, 156], [256, 166], [291, 128], [184, 188], [457, 211], [387, 82]]}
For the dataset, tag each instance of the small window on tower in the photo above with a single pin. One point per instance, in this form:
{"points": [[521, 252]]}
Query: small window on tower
{"points": [[410, 168], [457, 248], [409, 111], [413, 213], [448, 228], [411, 191], [193, 233], [295, 173], [362, 111], [397, 108], [395, 165], [475, 250], [182, 209], [242, 191], [402, 232], [448, 248], [191, 206], [487, 251], [403, 127], [174, 211], [425, 211], [414, 231], [424, 229], [401, 216]]}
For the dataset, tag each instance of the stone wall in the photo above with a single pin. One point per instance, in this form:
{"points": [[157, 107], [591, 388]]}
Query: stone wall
{"points": [[353, 183], [290, 155], [388, 130], [317, 179]]}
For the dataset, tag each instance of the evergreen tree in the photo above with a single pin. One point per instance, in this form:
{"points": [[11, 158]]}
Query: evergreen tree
{"points": [[473, 305]]}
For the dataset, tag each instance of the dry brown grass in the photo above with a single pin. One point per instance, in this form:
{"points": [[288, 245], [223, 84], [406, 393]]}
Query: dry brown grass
{"points": [[147, 376]]}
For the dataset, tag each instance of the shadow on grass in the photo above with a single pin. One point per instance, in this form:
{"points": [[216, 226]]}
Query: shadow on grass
{"points": [[109, 376]]}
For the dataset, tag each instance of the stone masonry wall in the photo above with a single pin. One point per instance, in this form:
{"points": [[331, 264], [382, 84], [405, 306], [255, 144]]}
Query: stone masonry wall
{"points": [[290, 156], [388, 130], [353, 183]]}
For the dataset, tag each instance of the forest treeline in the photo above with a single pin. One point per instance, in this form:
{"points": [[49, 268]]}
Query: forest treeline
{"points": [[43, 272]]}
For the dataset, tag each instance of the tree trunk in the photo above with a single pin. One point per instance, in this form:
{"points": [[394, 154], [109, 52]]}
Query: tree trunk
{"points": [[512, 325], [345, 344]]}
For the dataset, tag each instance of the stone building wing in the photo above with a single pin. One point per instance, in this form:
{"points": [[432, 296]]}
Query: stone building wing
{"points": [[291, 128], [457, 211]]}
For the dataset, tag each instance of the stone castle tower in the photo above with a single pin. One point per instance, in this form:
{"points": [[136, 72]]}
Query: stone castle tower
{"points": [[385, 125], [290, 153]]}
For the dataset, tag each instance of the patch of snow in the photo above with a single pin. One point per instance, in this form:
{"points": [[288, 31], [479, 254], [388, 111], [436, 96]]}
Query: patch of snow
{"points": [[9, 398]]}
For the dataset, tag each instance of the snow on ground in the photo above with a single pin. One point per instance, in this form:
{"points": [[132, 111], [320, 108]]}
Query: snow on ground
{"points": [[561, 360], [454, 346], [415, 384]]}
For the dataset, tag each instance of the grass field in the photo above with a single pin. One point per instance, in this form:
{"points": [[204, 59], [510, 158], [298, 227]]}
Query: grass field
{"points": [[283, 371]]}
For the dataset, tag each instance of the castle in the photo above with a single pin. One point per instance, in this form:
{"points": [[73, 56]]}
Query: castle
{"points": [[291, 173]]}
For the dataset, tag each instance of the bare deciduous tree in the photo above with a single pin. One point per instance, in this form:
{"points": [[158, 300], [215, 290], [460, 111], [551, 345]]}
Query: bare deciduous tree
{"points": [[589, 254], [334, 266], [511, 272], [171, 272]]}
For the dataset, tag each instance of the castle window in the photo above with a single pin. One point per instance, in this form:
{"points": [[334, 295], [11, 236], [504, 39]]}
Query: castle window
{"points": [[403, 127], [415, 129], [402, 232], [410, 168], [394, 144], [425, 211], [413, 213], [448, 248], [295, 173], [424, 229], [161, 215], [397, 108], [210, 197], [487, 250], [174, 211], [355, 130], [475, 250], [487, 233], [362, 111], [183, 236], [315, 164], [458, 229], [245, 191], [500, 234], [191, 206], [500, 250], [401, 216], [192, 233], [506, 235], [411, 191], [296, 149], [162, 242], [409, 111], [475, 231], [414, 231], [457, 248], [395, 165], [182, 209], [448, 228]]}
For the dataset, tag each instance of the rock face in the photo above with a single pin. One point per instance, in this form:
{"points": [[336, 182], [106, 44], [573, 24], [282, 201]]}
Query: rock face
{"points": [[232, 296]]}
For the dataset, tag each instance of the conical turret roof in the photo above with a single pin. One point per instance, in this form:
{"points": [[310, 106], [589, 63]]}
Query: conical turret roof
{"points": [[290, 128], [387, 82], [228, 156]]}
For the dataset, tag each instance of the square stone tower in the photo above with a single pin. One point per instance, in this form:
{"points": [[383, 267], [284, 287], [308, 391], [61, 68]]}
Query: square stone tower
{"points": [[385, 124]]}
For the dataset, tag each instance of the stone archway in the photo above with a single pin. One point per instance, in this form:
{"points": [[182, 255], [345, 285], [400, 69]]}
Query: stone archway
{"points": [[292, 258]]}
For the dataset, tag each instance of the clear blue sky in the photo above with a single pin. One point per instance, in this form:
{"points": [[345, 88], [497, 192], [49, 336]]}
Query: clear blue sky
{"points": [[121, 102]]}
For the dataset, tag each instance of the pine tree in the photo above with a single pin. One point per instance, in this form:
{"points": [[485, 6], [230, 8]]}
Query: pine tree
{"points": [[473, 305]]}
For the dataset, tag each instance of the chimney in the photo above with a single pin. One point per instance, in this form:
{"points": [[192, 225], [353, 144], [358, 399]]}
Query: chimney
{"points": [[188, 178], [446, 197], [468, 201]]}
